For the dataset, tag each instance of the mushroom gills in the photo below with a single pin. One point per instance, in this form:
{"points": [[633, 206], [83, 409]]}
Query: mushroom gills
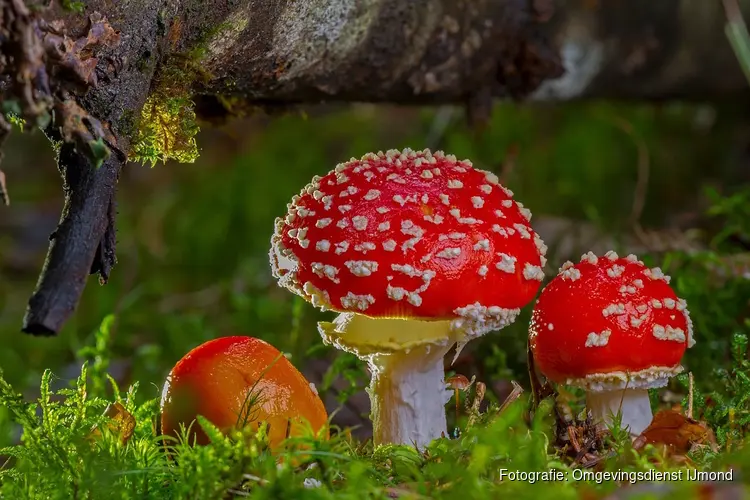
{"points": [[634, 404], [363, 335]]}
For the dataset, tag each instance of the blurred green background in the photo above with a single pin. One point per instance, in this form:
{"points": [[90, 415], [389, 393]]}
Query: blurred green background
{"points": [[668, 182]]}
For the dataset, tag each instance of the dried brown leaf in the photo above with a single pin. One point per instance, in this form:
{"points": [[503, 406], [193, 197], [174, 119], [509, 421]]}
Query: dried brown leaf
{"points": [[121, 422], [675, 432]]}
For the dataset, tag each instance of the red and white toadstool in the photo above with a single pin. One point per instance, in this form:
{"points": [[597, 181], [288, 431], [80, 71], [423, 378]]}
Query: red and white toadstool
{"points": [[614, 327], [417, 251]]}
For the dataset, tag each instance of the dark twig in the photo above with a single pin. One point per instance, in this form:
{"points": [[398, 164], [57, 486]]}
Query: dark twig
{"points": [[83, 242]]}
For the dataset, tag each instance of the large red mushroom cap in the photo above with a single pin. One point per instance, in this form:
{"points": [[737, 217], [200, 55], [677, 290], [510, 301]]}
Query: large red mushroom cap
{"points": [[610, 322], [407, 234]]}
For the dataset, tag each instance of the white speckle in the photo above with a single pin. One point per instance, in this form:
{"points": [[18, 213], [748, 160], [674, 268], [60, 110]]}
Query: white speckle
{"points": [[642, 308], [492, 178], [396, 293], [570, 273], [613, 309], [389, 245], [365, 247], [482, 245], [627, 289], [550, 326], [372, 194], [425, 198], [435, 219], [531, 272], [384, 226], [615, 271], [507, 203], [325, 271], [656, 303], [632, 258], [525, 212], [304, 212], [449, 253], [360, 222], [318, 195], [323, 245], [321, 223], [669, 333], [361, 302], [477, 201], [455, 184], [611, 255], [312, 386], [444, 198], [341, 247], [507, 263], [343, 223], [304, 243], [350, 190], [327, 202], [426, 174], [486, 188], [395, 177], [638, 283], [590, 258], [383, 210], [482, 271], [669, 303], [598, 339], [500, 230], [345, 208], [523, 231], [403, 201], [361, 268]]}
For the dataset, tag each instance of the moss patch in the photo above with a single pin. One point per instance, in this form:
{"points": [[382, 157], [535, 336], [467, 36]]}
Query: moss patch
{"points": [[167, 126]]}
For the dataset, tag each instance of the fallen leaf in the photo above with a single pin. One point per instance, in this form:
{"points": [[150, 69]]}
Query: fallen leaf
{"points": [[121, 422], [676, 432]]}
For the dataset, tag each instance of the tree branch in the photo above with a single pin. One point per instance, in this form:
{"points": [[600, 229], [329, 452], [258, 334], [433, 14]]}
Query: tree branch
{"points": [[278, 52]]}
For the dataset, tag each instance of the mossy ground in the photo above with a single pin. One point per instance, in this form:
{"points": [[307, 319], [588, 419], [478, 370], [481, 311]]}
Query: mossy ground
{"points": [[193, 243]]}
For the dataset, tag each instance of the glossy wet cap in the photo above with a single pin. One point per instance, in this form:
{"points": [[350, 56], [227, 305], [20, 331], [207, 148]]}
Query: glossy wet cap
{"points": [[239, 381], [607, 322], [407, 234]]}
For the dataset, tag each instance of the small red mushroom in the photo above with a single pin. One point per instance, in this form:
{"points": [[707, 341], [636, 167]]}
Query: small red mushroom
{"points": [[417, 251], [614, 327], [237, 381]]}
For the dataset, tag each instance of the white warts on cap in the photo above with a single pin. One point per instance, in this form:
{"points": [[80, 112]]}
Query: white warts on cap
{"points": [[531, 272], [361, 267], [598, 339], [507, 263]]}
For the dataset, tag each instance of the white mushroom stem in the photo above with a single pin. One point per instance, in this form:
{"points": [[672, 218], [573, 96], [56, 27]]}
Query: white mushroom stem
{"points": [[408, 396], [407, 392], [633, 403]]}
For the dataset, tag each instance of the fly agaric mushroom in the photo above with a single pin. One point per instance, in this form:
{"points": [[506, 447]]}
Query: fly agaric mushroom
{"points": [[236, 381], [416, 251], [614, 327]]}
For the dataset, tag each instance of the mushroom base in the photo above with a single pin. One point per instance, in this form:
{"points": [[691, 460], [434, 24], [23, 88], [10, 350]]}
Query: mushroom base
{"points": [[633, 403], [408, 396]]}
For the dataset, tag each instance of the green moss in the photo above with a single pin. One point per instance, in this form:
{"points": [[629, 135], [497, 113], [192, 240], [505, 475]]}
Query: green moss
{"points": [[73, 5], [167, 126]]}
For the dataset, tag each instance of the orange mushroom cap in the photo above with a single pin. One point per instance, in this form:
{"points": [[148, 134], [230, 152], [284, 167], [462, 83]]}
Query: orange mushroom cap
{"points": [[609, 322], [222, 378]]}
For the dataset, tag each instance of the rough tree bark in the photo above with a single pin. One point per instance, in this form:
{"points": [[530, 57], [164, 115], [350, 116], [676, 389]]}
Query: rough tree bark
{"points": [[279, 52]]}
